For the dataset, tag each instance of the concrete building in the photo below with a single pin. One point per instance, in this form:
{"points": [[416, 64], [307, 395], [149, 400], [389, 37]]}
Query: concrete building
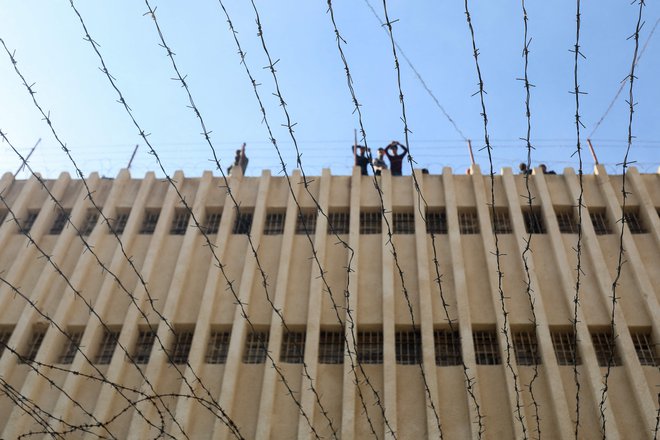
{"points": [[124, 316]]}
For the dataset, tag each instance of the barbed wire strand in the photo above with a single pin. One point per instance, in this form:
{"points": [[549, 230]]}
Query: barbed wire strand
{"points": [[182, 80], [99, 209], [580, 205], [418, 75], [390, 241], [527, 250], [59, 271], [505, 314], [624, 193], [623, 83], [289, 125]]}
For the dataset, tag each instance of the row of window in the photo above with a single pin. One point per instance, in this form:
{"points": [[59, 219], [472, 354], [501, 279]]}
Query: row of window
{"points": [[408, 345], [339, 221]]}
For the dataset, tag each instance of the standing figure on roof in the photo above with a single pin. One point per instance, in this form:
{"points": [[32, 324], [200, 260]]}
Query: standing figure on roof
{"points": [[396, 160], [363, 159], [379, 162], [240, 160]]}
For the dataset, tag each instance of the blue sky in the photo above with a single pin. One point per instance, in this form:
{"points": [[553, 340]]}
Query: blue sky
{"points": [[51, 52]]}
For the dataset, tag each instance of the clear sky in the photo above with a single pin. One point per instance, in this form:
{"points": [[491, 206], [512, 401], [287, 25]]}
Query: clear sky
{"points": [[48, 39]]}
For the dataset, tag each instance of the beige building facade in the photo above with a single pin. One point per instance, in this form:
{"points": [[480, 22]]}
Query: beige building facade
{"points": [[330, 306]]}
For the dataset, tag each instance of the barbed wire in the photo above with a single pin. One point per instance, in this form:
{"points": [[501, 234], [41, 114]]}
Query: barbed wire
{"points": [[611, 342], [578, 247], [623, 83], [107, 221], [347, 308], [505, 314], [42, 418], [181, 79], [527, 250], [417, 74]]}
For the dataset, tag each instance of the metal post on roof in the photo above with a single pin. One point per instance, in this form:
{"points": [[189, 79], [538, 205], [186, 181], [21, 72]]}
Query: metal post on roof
{"points": [[132, 156], [593, 153], [470, 149]]}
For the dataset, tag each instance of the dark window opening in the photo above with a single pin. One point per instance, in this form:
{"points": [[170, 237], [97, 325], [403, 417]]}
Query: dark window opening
{"points": [[533, 221], [436, 222], [370, 222], [447, 348], [180, 222], [293, 348], [60, 222], [149, 222], [256, 348], [565, 347], [331, 347], [339, 222], [306, 223], [218, 347], [370, 347], [468, 222], [408, 348], [486, 348]]}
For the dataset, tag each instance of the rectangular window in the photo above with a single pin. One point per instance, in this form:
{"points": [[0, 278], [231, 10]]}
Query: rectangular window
{"points": [[306, 222], [274, 224], [33, 346], [5, 334], [71, 345], [436, 221], [566, 221], [218, 347], [370, 347], [28, 222], [468, 222], [243, 222], [447, 348], [486, 348], [533, 220], [370, 222], [565, 348], [404, 222], [180, 221], [293, 348], [331, 347], [212, 222], [634, 221], [500, 221], [90, 222], [107, 347], [119, 223], [149, 221], [526, 347], [605, 348], [60, 222], [181, 347], [643, 346], [339, 222], [143, 346], [408, 348], [256, 348], [599, 220]]}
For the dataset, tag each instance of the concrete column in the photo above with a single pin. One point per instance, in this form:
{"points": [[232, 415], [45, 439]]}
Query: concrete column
{"points": [[559, 406], [35, 383], [566, 283], [389, 331], [271, 377], [159, 359], [240, 329], [129, 333], [462, 304], [316, 292], [426, 310], [197, 354], [511, 375], [351, 375]]}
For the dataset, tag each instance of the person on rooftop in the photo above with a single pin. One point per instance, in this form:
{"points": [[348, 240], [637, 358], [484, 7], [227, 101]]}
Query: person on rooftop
{"points": [[379, 162], [396, 160], [524, 169], [363, 159], [240, 160], [544, 168]]}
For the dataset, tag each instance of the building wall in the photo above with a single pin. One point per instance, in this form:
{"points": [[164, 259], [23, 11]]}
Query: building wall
{"points": [[403, 289]]}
